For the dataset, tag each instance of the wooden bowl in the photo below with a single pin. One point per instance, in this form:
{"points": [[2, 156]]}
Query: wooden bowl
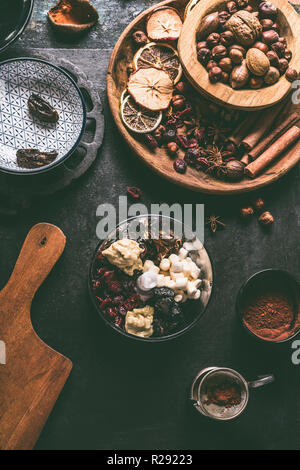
{"points": [[158, 160], [246, 99]]}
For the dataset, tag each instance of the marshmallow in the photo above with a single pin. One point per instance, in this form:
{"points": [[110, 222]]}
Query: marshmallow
{"points": [[160, 280], [170, 284], [189, 246], [165, 264], [197, 294], [182, 253], [191, 288], [154, 269], [178, 298], [173, 258], [175, 276], [181, 283], [176, 266], [147, 281], [197, 244], [195, 272]]}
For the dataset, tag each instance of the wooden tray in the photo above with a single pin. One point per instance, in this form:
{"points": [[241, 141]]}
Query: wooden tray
{"points": [[158, 160], [251, 100]]}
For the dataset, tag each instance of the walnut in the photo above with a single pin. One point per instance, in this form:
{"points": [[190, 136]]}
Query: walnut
{"points": [[257, 62], [245, 26]]}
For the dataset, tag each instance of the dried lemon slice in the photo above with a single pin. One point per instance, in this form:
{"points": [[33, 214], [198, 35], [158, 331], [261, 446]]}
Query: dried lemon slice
{"points": [[138, 119], [189, 7], [161, 56], [151, 88]]}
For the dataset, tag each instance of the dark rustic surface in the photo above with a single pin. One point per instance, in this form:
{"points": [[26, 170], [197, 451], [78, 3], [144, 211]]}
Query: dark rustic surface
{"points": [[124, 395]]}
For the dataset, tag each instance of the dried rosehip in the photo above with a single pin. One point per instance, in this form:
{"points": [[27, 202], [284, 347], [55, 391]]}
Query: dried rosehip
{"points": [[140, 38], [179, 165], [259, 203], [96, 285], [134, 192], [41, 109], [172, 148], [247, 212]]}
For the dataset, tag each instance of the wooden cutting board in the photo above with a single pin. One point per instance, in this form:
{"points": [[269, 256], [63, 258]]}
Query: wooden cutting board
{"points": [[34, 374]]}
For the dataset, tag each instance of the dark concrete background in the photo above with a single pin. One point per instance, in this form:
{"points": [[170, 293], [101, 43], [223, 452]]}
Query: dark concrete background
{"points": [[126, 395]]}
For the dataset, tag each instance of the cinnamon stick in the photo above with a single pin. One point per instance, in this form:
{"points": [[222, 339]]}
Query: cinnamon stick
{"points": [[245, 159], [243, 129], [262, 124], [274, 135], [277, 148]]}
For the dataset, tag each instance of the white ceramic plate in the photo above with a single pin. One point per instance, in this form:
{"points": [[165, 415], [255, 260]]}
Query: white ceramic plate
{"points": [[19, 78]]}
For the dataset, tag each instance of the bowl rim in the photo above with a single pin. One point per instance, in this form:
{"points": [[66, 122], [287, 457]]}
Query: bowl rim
{"points": [[124, 332], [84, 117], [239, 298], [21, 26]]}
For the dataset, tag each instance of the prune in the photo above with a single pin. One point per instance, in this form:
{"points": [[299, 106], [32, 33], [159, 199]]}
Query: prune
{"points": [[164, 305], [41, 109]]}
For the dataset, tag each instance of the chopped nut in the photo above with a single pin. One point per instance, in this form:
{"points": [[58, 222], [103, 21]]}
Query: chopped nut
{"points": [[266, 218], [247, 212]]}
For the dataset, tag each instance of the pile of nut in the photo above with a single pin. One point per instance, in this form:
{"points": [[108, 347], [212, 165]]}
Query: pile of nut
{"points": [[242, 47]]}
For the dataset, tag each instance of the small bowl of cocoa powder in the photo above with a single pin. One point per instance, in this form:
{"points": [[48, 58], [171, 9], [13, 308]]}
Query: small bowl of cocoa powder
{"points": [[268, 305]]}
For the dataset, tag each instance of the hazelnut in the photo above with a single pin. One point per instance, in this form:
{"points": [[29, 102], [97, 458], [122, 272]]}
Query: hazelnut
{"points": [[139, 38], [269, 37], [291, 74], [283, 40], [283, 66], [182, 87], [204, 55], [261, 46], [266, 218], [215, 74], [279, 48], [226, 64], [227, 38], [208, 25], [213, 40], [256, 83], [172, 148], [276, 27], [272, 76], [219, 52], [288, 54], [211, 64], [224, 77], [178, 101], [267, 10], [201, 45], [266, 24], [273, 58], [239, 48], [247, 212], [259, 203], [236, 56], [232, 7]]}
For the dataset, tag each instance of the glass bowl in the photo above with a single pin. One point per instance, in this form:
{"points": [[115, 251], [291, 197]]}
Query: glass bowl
{"points": [[155, 224]]}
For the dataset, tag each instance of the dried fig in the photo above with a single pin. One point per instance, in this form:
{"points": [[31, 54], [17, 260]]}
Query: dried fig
{"points": [[245, 26], [239, 76], [257, 62]]}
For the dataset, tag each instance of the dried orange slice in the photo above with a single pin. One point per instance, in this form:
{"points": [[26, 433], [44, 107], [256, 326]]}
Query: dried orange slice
{"points": [[138, 119], [189, 7], [164, 24], [161, 56], [151, 88]]}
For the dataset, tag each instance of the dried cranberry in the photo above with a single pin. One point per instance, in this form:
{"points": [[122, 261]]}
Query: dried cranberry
{"points": [[135, 299], [100, 271], [105, 303], [151, 141], [100, 256], [134, 192], [122, 310], [191, 156], [118, 300], [115, 287], [108, 276], [99, 299], [179, 165], [202, 163], [96, 285], [182, 141], [112, 312], [117, 321]]}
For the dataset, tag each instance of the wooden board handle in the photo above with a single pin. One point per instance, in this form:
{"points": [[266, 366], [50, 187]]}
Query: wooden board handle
{"points": [[42, 248]]}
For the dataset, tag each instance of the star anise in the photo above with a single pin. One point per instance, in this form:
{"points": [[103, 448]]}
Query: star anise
{"points": [[218, 133], [214, 221]]}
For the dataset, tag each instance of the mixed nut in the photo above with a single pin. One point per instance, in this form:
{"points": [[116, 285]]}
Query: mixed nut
{"points": [[242, 47]]}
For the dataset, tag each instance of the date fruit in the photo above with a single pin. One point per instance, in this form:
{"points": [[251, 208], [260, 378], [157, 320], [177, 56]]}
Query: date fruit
{"points": [[34, 158], [39, 108]]}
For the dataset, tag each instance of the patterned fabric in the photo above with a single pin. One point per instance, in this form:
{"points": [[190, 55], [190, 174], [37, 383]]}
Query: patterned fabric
{"points": [[19, 129]]}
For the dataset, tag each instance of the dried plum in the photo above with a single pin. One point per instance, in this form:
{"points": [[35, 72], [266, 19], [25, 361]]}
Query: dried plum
{"points": [[163, 292], [34, 158], [42, 109], [163, 305]]}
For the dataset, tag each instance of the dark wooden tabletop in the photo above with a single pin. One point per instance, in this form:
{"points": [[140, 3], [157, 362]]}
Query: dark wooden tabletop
{"points": [[127, 395]]}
